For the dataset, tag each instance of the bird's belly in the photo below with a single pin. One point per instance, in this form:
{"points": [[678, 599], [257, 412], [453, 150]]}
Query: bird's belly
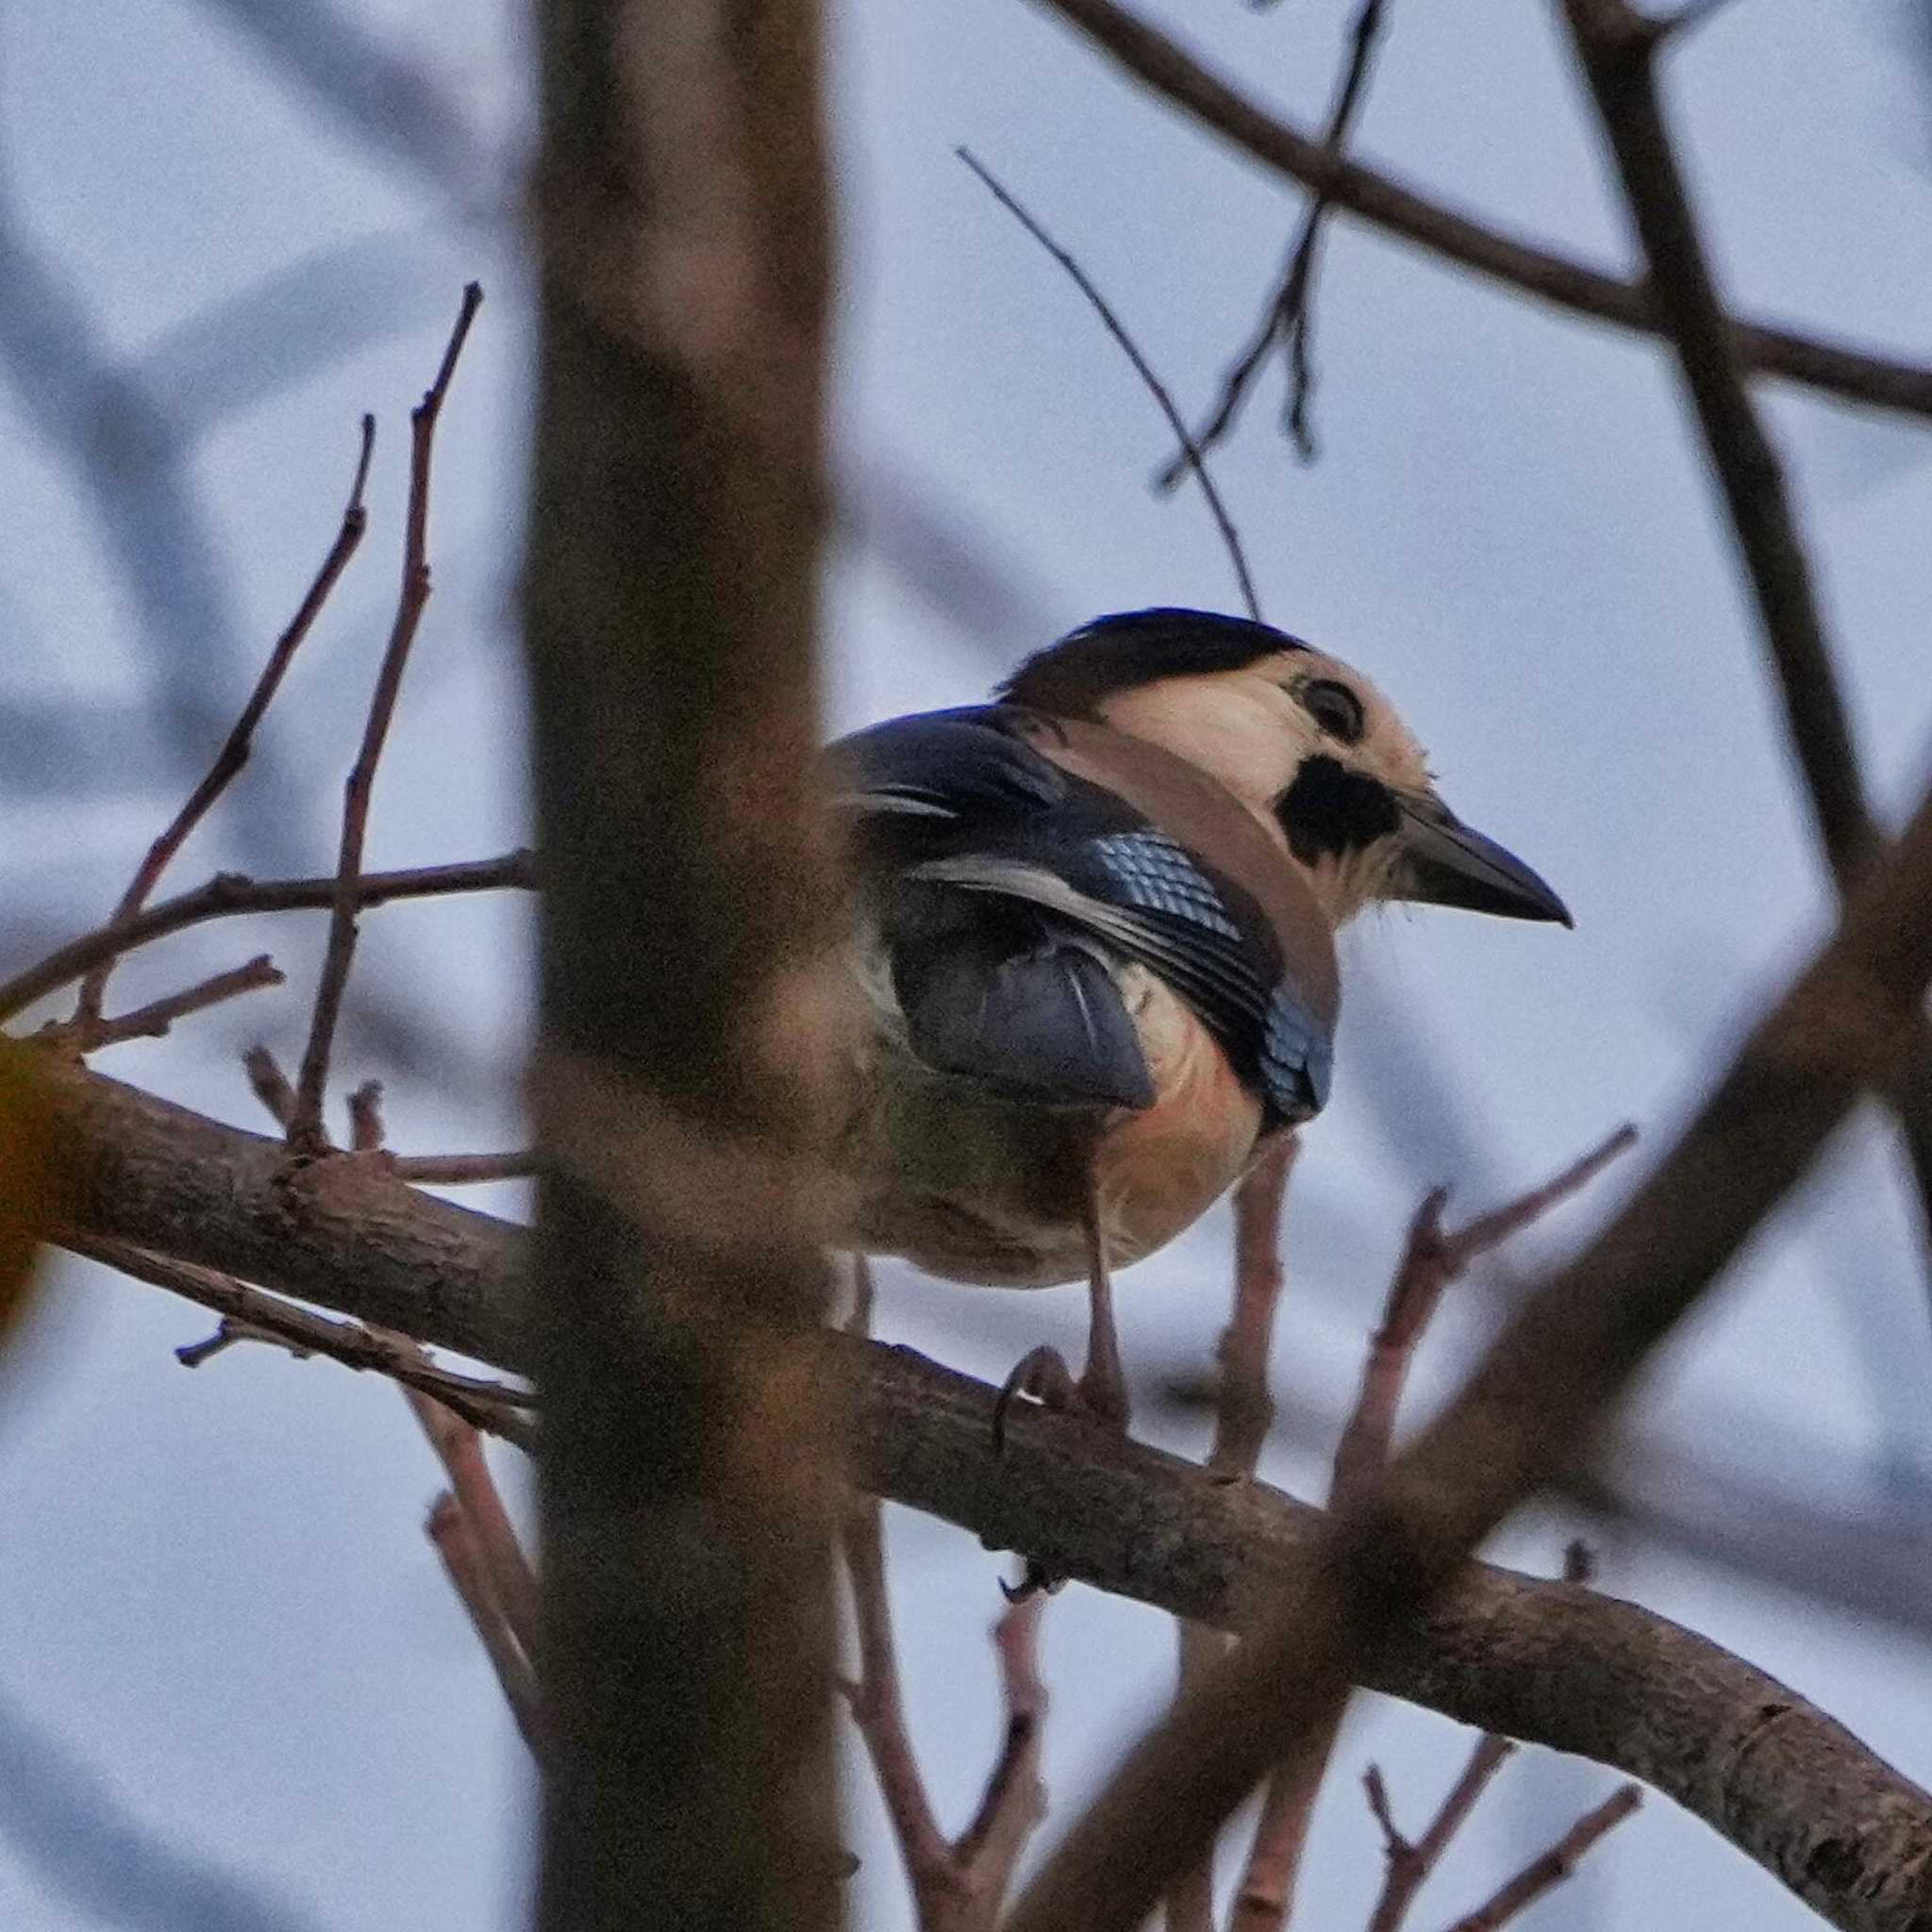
{"points": [[973, 1187]]}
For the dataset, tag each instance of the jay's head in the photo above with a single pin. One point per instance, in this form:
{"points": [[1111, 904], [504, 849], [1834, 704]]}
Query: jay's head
{"points": [[1304, 739]]}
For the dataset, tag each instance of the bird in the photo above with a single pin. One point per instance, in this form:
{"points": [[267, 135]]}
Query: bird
{"points": [[1093, 935]]}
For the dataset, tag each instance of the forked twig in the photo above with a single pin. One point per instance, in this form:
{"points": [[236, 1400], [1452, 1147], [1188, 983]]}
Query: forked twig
{"points": [[957, 1884], [1288, 317], [252, 1314], [1410, 1864], [1553, 1865], [1191, 458], [1243, 1413], [304, 1130], [1165, 68], [449, 1529], [1431, 1261], [233, 755], [153, 1021], [460, 1448], [229, 895]]}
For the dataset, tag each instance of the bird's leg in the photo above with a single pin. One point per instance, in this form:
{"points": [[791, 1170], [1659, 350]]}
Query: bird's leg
{"points": [[1042, 1372], [1102, 1385]]}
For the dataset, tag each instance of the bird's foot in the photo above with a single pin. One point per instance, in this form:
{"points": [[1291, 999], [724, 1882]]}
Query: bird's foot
{"points": [[1042, 1376]]}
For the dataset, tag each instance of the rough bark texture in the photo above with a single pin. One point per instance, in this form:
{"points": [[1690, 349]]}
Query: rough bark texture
{"points": [[1542, 1661], [670, 596]]}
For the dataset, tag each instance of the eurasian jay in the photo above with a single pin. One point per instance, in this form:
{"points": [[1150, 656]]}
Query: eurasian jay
{"points": [[1095, 937]]}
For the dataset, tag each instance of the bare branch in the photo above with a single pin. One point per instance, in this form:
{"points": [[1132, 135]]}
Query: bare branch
{"points": [[252, 1314], [1191, 458], [152, 1021], [306, 1134], [1165, 67], [233, 755], [459, 1449], [365, 1117], [1410, 1864], [1245, 1411], [450, 1530], [462, 1170], [229, 895], [1431, 1261], [269, 1084], [1554, 1865], [878, 1705], [1288, 316]]}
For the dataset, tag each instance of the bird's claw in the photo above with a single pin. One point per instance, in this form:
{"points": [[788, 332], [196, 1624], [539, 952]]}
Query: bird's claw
{"points": [[1042, 1375]]}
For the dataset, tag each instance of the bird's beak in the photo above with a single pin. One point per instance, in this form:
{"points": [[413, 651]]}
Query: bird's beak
{"points": [[1445, 862]]}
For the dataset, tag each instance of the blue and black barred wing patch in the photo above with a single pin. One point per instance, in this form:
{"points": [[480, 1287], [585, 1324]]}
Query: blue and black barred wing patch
{"points": [[1149, 898]]}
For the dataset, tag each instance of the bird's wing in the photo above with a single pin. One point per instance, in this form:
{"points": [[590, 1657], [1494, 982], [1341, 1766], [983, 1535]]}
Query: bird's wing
{"points": [[960, 807]]}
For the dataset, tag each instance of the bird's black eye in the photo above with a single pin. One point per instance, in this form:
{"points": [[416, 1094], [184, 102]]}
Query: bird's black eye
{"points": [[1335, 708]]}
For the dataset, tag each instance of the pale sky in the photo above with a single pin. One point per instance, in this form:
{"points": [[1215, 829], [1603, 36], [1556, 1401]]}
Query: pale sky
{"points": [[235, 1690]]}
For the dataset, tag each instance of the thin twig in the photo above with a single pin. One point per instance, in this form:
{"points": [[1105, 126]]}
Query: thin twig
{"points": [[269, 1084], [1243, 1411], [1013, 1804], [253, 1314], [878, 1705], [459, 1449], [1164, 66], [153, 1020], [233, 755], [957, 1884], [1191, 455], [450, 1529], [1289, 310], [462, 1170], [1554, 1865], [1431, 1261], [1410, 1864], [365, 1117], [230, 895], [305, 1131]]}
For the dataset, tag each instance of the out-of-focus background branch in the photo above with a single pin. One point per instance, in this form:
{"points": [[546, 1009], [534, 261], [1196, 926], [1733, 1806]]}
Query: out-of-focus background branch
{"points": [[230, 229]]}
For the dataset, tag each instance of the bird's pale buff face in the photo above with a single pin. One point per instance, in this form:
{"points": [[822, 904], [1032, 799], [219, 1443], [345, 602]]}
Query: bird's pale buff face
{"points": [[1312, 748]]}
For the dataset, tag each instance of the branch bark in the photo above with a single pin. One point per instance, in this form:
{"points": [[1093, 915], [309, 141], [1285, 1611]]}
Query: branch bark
{"points": [[1546, 1662]]}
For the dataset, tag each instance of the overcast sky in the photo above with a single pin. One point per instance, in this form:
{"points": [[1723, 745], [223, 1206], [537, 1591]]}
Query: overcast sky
{"points": [[234, 1688]]}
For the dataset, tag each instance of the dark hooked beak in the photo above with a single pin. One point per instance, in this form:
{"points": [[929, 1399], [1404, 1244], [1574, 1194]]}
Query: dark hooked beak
{"points": [[1445, 862]]}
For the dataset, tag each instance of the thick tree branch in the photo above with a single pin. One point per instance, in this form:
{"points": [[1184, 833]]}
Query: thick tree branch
{"points": [[1167, 68], [1542, 1661]]}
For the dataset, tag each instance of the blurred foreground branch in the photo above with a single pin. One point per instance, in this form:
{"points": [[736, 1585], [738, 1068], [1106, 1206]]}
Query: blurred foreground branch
{"points": [[671, 598]]}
